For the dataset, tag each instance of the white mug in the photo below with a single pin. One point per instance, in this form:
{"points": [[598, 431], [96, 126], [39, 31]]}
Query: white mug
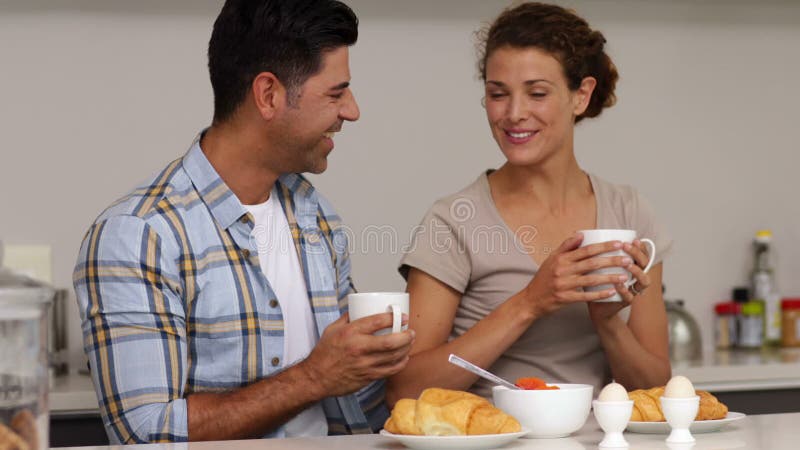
{"points": [[603, 235], [363, 304]]}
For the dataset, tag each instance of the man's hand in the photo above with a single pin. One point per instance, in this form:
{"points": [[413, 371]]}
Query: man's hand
{"points": [[348, 356]]}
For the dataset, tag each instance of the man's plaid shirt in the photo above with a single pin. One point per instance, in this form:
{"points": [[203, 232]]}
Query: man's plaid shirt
{"points": [[173, 300]]}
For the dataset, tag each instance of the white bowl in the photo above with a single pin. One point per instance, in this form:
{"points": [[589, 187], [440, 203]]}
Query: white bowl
{"points": [[547, 413]]}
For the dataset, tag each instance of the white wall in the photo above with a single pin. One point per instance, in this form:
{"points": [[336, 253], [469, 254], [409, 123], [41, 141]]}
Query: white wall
{"points": [[95, 95]]}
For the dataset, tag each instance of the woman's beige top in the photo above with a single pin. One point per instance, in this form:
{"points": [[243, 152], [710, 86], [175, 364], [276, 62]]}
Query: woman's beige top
{"points": [[463, 242]]}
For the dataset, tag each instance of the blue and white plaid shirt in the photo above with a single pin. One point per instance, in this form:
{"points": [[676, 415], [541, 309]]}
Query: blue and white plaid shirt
{"points": [[173, 300]]}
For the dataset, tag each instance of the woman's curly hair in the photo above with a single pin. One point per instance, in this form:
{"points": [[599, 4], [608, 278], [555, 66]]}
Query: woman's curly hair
{"points": [[563, 34]]}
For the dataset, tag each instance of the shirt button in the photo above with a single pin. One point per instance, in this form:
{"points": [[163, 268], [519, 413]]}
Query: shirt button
{"points": [[246, 253], [273, 303], [245, 219], [276, 361]]}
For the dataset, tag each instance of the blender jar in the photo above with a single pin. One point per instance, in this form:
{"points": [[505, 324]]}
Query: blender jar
{"points": [[24, 418]]}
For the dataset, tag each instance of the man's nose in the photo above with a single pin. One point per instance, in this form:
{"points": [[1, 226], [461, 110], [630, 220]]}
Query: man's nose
{"points": [[350, 111]]}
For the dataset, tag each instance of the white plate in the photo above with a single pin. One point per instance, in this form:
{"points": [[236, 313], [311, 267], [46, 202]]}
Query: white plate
{"points": [[698, 426], [482, 441]]}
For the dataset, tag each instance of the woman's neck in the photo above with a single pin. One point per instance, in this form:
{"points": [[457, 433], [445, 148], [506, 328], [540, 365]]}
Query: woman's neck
{"points": [[551, 186]]}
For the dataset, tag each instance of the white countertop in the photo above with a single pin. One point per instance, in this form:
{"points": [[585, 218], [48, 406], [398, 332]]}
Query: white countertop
{"points": [[758, 432], [73, 394], [743, 370], [718, 371]]}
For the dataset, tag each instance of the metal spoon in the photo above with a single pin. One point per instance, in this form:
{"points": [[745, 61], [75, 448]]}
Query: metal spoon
{"points": [[464, 364]]}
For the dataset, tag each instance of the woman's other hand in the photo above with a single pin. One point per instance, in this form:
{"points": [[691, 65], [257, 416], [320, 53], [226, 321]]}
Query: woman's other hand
{"points": [[636, 268], [603, 311], [563, 275]]}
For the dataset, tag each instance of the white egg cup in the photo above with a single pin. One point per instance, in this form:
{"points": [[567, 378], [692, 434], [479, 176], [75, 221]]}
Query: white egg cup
{"points": [[613, 417], [680, 413]]}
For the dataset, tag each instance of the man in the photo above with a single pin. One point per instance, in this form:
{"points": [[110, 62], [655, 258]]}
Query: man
{"points": [[213, 299]]}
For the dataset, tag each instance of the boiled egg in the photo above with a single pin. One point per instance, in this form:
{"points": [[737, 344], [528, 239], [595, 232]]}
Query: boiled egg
{"points": [[613, 392], [679, 387]]}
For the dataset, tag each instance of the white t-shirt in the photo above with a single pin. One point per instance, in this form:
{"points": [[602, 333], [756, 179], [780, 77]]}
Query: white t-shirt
{"points": [[281, 265]]}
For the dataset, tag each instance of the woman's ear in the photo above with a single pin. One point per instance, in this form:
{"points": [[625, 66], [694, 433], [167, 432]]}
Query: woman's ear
{"points": [[583, 95]]}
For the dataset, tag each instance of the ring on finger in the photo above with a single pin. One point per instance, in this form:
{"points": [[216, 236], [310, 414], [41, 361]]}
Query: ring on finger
{"points": [[635, 291]]}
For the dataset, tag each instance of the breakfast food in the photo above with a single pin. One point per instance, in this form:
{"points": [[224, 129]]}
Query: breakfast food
{"points": [[613, 392], [443, 412], [10, 440], [402, 420], [679, 387], [24, 424], [647, 408], [533, 383]]}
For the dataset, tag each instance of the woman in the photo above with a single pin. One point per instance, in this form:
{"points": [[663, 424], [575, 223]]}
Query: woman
{"points": [[496, 271]]}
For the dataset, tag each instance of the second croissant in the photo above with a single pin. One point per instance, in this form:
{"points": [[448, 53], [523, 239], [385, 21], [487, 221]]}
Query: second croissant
{"points": [[647, 408]]}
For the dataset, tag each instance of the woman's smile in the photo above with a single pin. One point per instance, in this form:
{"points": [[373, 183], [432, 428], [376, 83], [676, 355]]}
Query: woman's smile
{"points": [[519, 137]]}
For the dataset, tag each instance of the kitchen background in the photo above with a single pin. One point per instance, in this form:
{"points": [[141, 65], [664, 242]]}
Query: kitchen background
{"points": [[98, 94]]}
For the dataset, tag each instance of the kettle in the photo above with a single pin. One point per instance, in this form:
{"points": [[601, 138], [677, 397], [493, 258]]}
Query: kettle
{"points": [[685, 341]]}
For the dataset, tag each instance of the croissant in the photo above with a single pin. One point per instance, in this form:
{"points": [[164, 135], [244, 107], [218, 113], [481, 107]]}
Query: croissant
{"points": [[647, 407], [443, 412], [710, 407], [402, 419], [10, 440], [24, 424]]}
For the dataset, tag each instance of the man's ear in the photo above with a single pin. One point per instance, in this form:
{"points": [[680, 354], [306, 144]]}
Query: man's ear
{"points": [[269, 94], [584, 94]]}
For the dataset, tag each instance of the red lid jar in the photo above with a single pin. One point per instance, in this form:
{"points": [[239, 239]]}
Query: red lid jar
{"points": [[728, 308], [726, 329], [790, 322]]}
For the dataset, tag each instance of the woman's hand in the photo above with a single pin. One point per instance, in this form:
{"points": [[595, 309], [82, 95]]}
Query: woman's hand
{"points": [[601, 312], [563, 275]]}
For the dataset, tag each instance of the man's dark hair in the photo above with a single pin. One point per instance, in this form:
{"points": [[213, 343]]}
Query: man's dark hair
{"points": [[284, 37]]}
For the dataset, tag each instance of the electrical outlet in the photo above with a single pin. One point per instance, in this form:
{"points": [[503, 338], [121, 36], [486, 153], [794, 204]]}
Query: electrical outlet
{"points": [[34, 261]]}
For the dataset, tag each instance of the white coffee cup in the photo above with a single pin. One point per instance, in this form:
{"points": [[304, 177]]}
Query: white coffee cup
{"points": [[604, 235], [363, 304]]}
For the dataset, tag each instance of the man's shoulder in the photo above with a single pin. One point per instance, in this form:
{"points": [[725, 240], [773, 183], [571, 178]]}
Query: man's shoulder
{"points": [[165, 191]]}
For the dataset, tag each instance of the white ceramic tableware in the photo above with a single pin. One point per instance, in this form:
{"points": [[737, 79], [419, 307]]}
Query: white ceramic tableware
{"points": [[697, 427], [547, 413], [604, 235], [474, 442], [363, 304], [613, 416], [680, 413]]}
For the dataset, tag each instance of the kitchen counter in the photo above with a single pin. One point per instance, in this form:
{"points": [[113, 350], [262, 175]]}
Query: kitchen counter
{"points": [[744, 370], [73, 395], [759, 432], [754, 382], [718, 371]]}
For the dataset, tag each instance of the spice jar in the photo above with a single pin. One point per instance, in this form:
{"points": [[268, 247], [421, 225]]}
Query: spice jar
{"points": [[790, 327], [726, 326], [751, 324]]}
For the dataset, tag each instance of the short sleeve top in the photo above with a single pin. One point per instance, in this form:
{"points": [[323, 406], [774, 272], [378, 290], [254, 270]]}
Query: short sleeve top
{"points": [[463, 242]]}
